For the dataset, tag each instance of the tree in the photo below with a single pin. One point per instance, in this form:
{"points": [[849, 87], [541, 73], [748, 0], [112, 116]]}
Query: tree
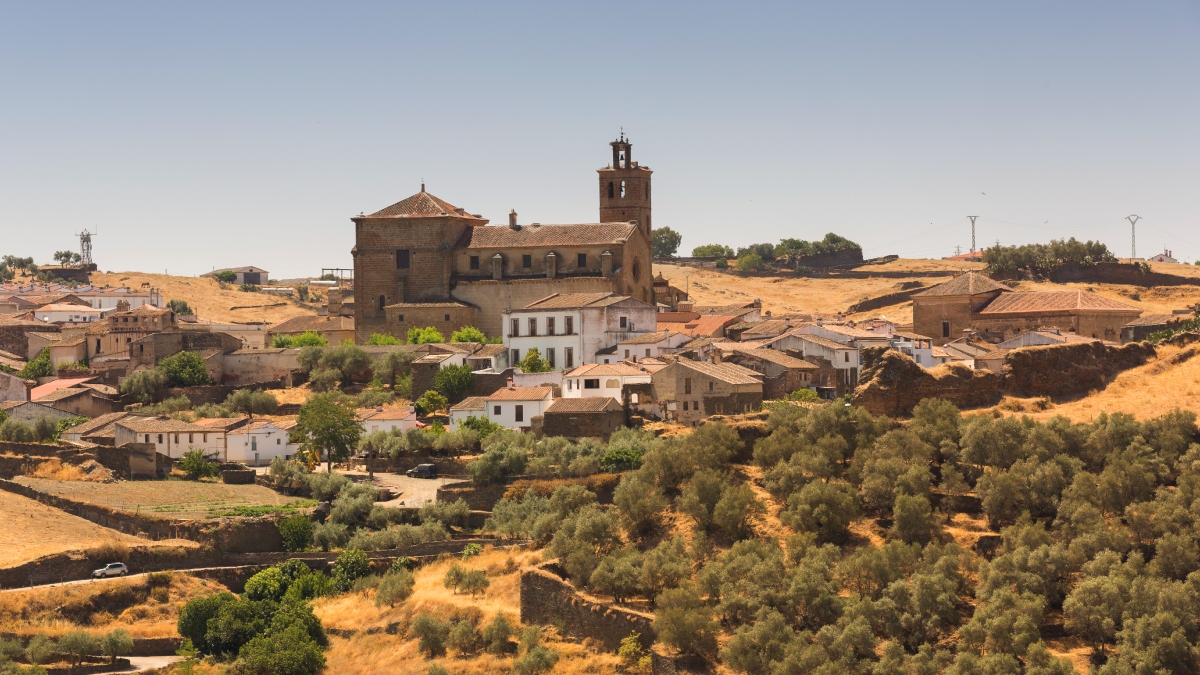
{"points": [[396, 586], [392, 365], [38, 366], [453, 381], [664, 242], [324, 379], [430, 402], [348, 360], [712, 251], [431, 634], [326, 423], [737, 510], [40, 649], [288, 650], [1093, 610], [195, 465], [180, 307], [65, 258], [639, 502], [17, 431], [306, 339], [252, 402], [475, 582], [912, 520], [750, 262], [296, 531], [497, 634], [423, 336], [683, 621], [76, 645], [226, 276], [700, 495], [185, 369], [533, 362], [823, 508], [349, 567], [468, 334], [618, 574], [144, 385], [195, 615], [116, 643], [381, 339]]}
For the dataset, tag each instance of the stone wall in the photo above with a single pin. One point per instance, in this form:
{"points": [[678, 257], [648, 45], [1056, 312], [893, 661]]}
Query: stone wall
{"points": [[1059, 371], [884, 300], [583, 424], [1120, 273], [493, 297], [477, 497], [14, 340], [547, 599], [260, 365], [213, 393]]}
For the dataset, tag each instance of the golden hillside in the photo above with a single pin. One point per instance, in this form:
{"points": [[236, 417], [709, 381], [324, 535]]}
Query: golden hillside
{"points": [[208, 299]]}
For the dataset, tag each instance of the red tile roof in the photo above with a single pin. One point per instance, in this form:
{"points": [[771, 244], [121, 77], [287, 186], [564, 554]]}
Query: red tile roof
{"points": [[727, 372], [1053, 301], [301, 324], [55, 385], [584, 234], [421, 205], [584, 405], [971, 283], [705, 326], [777, 357], [570, 300], [521, 394], [471, 403], [598, 369]]}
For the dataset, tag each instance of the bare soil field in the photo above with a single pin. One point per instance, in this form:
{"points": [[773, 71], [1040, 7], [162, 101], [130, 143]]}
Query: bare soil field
{"points": [[168, 498], [206, 297], [32, 530]]}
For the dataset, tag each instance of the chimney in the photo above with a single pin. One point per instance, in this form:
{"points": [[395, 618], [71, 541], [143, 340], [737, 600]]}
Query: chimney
{"points": [[379, 407], [512, 219], [510, 384]]}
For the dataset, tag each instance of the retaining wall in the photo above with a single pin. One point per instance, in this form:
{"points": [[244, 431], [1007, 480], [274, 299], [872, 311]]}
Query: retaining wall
{"points": [[548, 599]]}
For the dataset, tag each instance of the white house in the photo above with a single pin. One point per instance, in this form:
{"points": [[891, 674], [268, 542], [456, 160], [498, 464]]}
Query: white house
{"points": [[514, 407], [259, 441], [1164, 257], [67, 313], [649, 345], [568, 329], [602, 379], [919, 347], [389, 419], [471, 406], [171, 437]]}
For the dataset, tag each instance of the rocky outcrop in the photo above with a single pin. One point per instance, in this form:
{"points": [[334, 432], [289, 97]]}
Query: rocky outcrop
{"points": [[893, 384], [1059, 371]]}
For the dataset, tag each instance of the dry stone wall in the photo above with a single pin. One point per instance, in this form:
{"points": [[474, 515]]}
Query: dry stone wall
{"points": [[548, 599]]}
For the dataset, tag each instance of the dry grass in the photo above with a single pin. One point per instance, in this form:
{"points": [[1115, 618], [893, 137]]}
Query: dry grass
{"points": [[33, 530], [966, 529], [55, 469], [125, 603], [207, 298], [170, 498]]}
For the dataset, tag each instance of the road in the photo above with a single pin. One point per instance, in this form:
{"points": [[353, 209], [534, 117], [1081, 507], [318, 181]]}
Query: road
{"points": [[139, 663], [409, 491]]}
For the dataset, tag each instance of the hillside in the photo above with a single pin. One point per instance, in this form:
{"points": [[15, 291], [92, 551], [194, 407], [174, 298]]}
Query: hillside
{"points": [[207, 297]]}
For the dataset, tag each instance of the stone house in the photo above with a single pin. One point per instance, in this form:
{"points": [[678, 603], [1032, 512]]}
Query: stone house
{"points": [[591, 417], [515, 407], [334, 329], [974, 302], [13, 388], [837, 363], [388, 419], [427, 259], [571, 329], [30, 411], [100, 430], [602, 380], [689, 391], [67, 351], [15, 331], [782, 374], [83, 400]]}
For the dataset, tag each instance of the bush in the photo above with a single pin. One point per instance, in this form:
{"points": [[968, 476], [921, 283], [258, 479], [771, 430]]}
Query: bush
{"points": [[431, 634], [143, 385], [185, 369], [116, 643], [533, 362], [750, 262], [306, 339], [286, 651], [383, 339], [325, 486], [16, 431], [327, 536], [426, 335], [225, 276], [194, 464], [430, 402], [396, 586], [471, 550], [712, 251], [268, 584], [38, 366], [497, 634], [297, 533], [453, 382], [449, 514], [684, 622], [195, 615], [252, 402], [324, 379], [350, 566], [40, 649]]}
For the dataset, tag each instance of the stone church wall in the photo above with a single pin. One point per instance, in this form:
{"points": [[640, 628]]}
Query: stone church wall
{"points": [[493, 297]]}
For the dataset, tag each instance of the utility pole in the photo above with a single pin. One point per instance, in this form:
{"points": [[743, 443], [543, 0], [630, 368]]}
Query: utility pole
{"points": [[972, 232], [1133, 241]]}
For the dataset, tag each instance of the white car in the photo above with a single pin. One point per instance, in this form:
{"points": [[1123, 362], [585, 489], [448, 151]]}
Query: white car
{"points": [[111, 570]]}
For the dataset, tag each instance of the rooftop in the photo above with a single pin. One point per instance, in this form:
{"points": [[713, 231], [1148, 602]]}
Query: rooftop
{"points": [[54, 385], [705, 326], [572, 300], [302, 324], [584, 234], [1053, 301], [726, 372], [824, 342], [584, 405], [521, 394], [971, 283], [422, 205], [601, 369], [647, 338], [777, 357], [471, 403], [97, 423]]}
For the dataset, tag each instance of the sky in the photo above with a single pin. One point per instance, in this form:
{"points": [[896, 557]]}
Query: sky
{"points": [[193, 136]]}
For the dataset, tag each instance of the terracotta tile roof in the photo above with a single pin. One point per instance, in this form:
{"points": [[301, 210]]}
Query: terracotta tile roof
{"points": [[15, 320], [61, 394], [221, 423], [55, 385], [521, 394], [471, 403], [12, 361], [601, 369], [1053, 301], [733, 309], [391, 414], [777, 357], [705, 326], [771, 327], [647, 338], [727, 372], [910, 336], [584, 234], [428, 305], [67, 307], [850, 331], [1158, 319], [301, 324], [939, 352], [95, 424], [154, 425], [421, 205], [57, 299], [676, 317], [971, 283], [571, 300], [488, 351], [824, 342], [584, 405]]}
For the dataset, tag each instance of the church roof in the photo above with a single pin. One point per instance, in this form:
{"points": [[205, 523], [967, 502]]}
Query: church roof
{"points": [[421, 205], [585, 234], [1053, 301], [971, 283]]}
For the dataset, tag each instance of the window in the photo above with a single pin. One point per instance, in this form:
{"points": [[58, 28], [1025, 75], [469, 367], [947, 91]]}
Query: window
{"points": [[533, 326], [176, 439], [624, 322], [516, 357], [847, 357], [515, 328], [191, 438], [710, 385], [400, 318], [382, 302], [519, 413], [97, 345], [647, 351], [204, 438], [527, 261], [610, 189], [160, 438], [581, 260], [622, 189], [147, 438], [402, 260], [549, 325], [687, 385], [591, 384], [474, 262], [446, 318], [626, 353], [569, 325], [278, 441], [496, 410], [550, 357], [570, 385], [569, 357], [945, 329]]}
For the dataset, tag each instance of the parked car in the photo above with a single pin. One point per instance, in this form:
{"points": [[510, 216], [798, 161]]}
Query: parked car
{"points": [[422, 471], [111, 570]]}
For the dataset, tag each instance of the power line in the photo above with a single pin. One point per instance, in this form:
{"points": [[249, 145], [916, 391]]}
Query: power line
{"points": [[972, 232], [1133, 239]]}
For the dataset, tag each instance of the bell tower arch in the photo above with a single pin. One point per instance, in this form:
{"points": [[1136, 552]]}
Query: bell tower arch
{"points": [[625, 188]]}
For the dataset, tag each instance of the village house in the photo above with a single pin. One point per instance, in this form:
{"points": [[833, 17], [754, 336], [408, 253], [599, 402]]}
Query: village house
{"points": [[423, 259], [918, 347], [100, 430], [256, 276], [666, 296], [98, 297], [591, 417], [335, 329], [13, 361], [837, 363], [515, 407], [782, 374], [171, 437], [62, 313], [972, 301], [13, 388], [490, 358], [602, 379], [686, 392], [574, 328], [471, 406], [30, 411], [259, 441], [749, 311], [650, 345], [1037, 338], [80, 397], [388, 419], [693, 324]]}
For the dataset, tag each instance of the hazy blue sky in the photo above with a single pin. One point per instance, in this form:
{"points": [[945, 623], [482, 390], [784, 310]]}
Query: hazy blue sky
{"points": [[221, 134]]}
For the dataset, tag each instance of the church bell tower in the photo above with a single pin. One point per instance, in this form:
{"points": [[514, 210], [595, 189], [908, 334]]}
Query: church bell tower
{"points": [[625, 188]]}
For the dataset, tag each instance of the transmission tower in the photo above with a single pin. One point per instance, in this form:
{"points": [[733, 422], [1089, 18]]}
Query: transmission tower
{"points": [[1133, 231], [85, 248], [972, 232]]}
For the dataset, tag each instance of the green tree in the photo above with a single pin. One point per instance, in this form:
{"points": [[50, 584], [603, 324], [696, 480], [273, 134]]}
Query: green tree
{"points": [[396, 586], [185, 369], [326, 424], [533, 362], [66, 257], [116, 642], [431, 634], [252, 402], [287, 650], [226, 276], [17, 431], [40, 649], [195, 615], [144, 385], [296, 532], [392, 365], [349, 567], [618, 574], [468, 334], [423, 336], [712, 251], [737, 510], [453, 381], [430, 402], [639, 503], [497, 633], [380, 339], [664, 242], [1093, 611], [306, 339], [196, 465], [750, 262], [77, 645], [475, 582], [38, 366], [348, 360], [683, 621], [912, 519], [324, 379], [823, 508], [180, 307]]}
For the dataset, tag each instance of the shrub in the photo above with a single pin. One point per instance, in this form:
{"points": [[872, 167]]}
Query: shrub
{"points": [[382, 339], [288, 650], [449, 514], [464, 638], [396, 586], [38, 366], [426, 335], [297, 533], [225, 276], [684, 622], [324, 379], [497, 634], [268, 584], [327, 536], [722, 264], [533, 362], [431, 634], [325, 486], [116, 643], [180, 307], [185, 369], [468, 334], [144, 385], [430, 402], [350, 566], [194, 464], [471, 550], [475, 582], [750, 262], [453, 381], [40, 649], [403, 563], [16, 431], [44, 429], [252, 402]]}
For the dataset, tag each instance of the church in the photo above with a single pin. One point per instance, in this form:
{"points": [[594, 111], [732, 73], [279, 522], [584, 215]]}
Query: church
{"points": [[425, 262]]}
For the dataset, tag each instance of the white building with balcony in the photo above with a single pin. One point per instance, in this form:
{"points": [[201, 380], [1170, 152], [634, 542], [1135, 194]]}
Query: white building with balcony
{"points": [[570, 329]]}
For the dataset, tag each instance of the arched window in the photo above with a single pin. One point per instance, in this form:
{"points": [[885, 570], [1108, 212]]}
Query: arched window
{"points": [[382, 302], [637, 270], [610, 189], [622, 189]]}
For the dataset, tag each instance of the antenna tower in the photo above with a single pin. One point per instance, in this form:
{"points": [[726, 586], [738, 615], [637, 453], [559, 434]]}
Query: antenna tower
{"points": [[1133, 231], [85, 248], [972, 232]]}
